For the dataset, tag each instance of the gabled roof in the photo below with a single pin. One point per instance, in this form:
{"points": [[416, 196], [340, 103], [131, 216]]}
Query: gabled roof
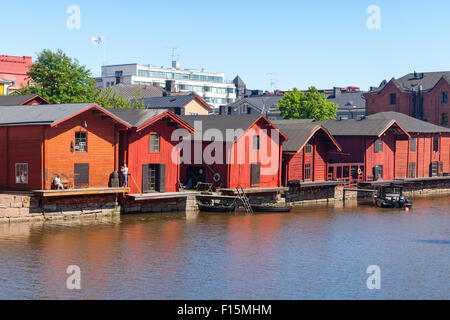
{"points": [[129, 91], [262, 103], [227, 122], [178, 101], [427, 80], [300, 132], [349, 100], [141, 118], [363, 127], [16, 100], [238, 81], [48, 114], [408, 123]]}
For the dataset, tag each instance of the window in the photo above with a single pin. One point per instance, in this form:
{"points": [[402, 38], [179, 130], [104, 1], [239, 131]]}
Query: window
{"points": [[230, 109], [154, 142], [412, 169], [307, 171], [308, 148], [435, 143], [445, 97], [255, 142], [244, 109], [393, 98], [22, 173], [177, 111], [413, 144], [444, 119], [119, 73], [378, 172], [378, 146], [80, 141]]}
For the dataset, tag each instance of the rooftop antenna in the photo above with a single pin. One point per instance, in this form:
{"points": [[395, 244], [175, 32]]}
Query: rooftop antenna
{"points": [[271, 80], [173, 52]]}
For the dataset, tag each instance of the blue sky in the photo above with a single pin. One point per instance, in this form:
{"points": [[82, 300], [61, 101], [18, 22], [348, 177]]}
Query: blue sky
{"points": [[320, 43]]}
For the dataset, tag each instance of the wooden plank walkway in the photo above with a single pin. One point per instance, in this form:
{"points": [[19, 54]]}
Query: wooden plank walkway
{"points": [[79, 192]]}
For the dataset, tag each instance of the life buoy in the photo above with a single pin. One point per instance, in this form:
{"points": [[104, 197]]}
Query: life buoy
{"points": [[216, 177], [359, 171]]}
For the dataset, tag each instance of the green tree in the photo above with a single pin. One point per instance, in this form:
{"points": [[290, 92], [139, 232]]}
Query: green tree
{"points": [[61, 79], [310, 105]]}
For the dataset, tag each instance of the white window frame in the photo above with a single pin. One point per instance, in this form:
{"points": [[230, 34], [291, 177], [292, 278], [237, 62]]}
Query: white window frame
{"points": [[25, 165]]}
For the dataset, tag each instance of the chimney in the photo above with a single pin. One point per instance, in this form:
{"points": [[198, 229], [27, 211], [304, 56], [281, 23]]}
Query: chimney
{"points": [[176, 64], [170, 86], [336, 91]]}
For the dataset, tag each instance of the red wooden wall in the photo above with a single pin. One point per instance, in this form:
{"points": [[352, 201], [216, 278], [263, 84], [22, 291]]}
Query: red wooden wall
{"points": [[138, 153]]}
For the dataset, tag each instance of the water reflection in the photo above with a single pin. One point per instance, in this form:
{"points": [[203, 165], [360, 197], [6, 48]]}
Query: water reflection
{"points": [[315, 252]]}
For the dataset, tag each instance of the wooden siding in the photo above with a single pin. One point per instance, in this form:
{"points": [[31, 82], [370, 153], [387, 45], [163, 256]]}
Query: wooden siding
{"points": [[102, 142], [136, 152]]}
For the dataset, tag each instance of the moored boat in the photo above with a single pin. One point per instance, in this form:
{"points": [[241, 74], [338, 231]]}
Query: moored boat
{"points": [[270, 208], [216, 208]]}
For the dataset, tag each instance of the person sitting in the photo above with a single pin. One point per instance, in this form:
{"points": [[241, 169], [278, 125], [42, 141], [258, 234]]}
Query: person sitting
{"points": [[58, 184]]}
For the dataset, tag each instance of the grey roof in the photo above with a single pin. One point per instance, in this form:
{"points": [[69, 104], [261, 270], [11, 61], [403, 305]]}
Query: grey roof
{"points": [[46, 114], [238, 81], [349, 100], [297, 132], [363, 127], [168, 102], [15, 100], [263, 103], [136, 117], [222, 122], [413, 80], [408, 123], [128, 91]]}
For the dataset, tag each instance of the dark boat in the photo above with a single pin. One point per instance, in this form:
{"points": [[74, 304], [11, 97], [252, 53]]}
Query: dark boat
{"points": [[263, 208], [216, 208], [391, 196]]}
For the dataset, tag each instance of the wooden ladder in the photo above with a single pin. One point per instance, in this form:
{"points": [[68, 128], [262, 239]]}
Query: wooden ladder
{"points": [[244, 199]]}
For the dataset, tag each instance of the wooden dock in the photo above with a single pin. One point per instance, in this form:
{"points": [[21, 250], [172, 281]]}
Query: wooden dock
{"points": [[80, 192]]}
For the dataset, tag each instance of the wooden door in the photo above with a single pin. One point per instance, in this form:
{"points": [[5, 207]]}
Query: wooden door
{"points": [[81, 175], [255, 174], [154, 177]]}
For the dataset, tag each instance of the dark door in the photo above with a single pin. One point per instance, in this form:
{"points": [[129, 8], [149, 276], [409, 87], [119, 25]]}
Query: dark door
{"points": [[81, 174], [195, 175], [255, 173], [153, 177]]}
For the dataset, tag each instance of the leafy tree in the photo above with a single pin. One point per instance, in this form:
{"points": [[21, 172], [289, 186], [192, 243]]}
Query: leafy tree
{"points": [[108, 98], [138, 100], [312, 105], [61, 79]]}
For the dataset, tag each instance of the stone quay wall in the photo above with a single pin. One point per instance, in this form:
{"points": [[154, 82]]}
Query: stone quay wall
{"points": [[187, 204], [22, 207]]}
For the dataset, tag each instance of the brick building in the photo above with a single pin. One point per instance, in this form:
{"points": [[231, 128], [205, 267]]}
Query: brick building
{"points": [[15, 69], [420, 95]]}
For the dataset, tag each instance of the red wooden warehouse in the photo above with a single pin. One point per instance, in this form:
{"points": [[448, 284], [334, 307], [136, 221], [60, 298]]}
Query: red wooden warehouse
{"points": [[78, 142], [426, 153], [147, 149], [306, 153], [249, 158], [368, 149]]}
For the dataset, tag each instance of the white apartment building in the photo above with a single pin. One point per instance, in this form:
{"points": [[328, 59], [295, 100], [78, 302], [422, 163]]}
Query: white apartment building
{"points": [[211, 86]]}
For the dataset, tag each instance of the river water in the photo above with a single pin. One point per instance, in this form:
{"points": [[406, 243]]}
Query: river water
{"points": [[312, 253]]}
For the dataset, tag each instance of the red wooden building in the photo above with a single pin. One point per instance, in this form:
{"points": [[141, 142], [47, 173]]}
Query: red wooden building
{"points": [[426, 153], [147, 149], [21, 100], [78, 142], [368, 149], [306, 153], [247, 154]]}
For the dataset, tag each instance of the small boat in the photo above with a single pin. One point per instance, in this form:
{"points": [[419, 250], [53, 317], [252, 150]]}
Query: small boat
{"points": [[216, 208], [268, 208], [391, 196]]}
